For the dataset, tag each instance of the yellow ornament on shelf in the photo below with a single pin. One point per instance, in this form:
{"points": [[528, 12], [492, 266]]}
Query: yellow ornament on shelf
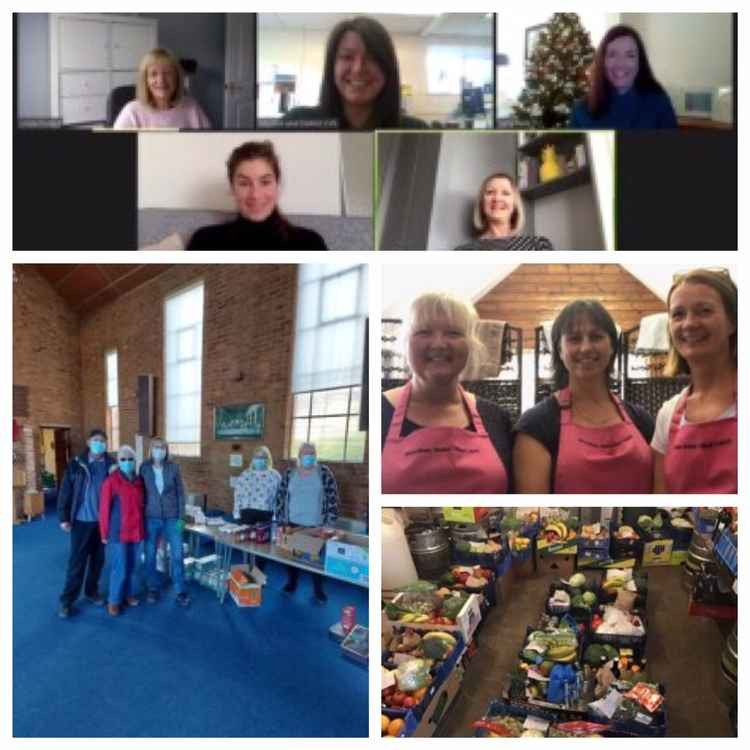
{"points": [[550, 169]]}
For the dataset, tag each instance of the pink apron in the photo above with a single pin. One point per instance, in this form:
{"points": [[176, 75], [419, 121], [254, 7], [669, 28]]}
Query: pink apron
{"points": [[606, 460], [701, 457], [441, 459]]}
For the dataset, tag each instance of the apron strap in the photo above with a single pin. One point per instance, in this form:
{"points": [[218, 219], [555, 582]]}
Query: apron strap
{"points": [[471, 407], [566, 406], [399, 414]]}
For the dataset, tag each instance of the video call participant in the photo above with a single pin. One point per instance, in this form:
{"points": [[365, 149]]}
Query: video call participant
{"points": [[499, 218], [255, 176], [623, 90], [160, 100], [695, 442], [583, 438], [361, 88], [437, 438]]}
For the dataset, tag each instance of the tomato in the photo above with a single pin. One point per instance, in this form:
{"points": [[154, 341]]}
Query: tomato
{"points": [[409, 702]]}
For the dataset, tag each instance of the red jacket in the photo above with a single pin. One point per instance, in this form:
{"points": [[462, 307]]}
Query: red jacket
{"points": [[131, 498]]}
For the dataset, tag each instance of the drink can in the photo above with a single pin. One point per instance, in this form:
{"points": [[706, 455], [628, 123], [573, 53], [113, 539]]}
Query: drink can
{"points": [[348, 617]]}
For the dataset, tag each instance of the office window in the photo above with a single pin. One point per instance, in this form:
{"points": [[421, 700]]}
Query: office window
{"points": [[451, 67], [112, 417], [328, 356], [183, 357]]}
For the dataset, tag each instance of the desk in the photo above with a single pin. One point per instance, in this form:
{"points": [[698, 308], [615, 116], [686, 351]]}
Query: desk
{"points": [[250, 550]]}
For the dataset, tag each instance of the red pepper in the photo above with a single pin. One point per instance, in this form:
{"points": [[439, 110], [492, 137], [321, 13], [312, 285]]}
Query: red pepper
{"points": [[492, 727]]}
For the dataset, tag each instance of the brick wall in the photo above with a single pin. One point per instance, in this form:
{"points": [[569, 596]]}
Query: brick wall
{"points": [[534, 293], [248, 328], [46, 359]]}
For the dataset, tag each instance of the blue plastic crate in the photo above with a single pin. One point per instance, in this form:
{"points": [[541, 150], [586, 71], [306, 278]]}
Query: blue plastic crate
{"points": [[726, 550]]}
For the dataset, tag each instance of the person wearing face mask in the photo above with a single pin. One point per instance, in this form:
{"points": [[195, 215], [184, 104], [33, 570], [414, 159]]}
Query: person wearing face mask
{"points": [[307, 496], [437, 438], [695, 442], [499, 218], [121, 528], [160, 100], [361, 87], [254, 173], [165, 505], [78, 511], [623, 91], [256, 489], [583, 438]]}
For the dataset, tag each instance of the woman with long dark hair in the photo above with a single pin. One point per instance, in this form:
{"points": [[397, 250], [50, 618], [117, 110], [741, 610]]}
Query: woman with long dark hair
{"points": [[624, 92], [361, 88], [583, 438], [255, 175]]}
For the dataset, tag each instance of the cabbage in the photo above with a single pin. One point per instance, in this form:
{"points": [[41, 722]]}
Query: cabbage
{"points": [[577, 580]]}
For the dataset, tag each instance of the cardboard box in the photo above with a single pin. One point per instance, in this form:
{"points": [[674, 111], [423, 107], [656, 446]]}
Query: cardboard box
{"points": [[305, 543], [246, 585], [348, 556], [658, 552], [464, 514], [466, 621], [562, 564], [439, 704], [33, 504]]}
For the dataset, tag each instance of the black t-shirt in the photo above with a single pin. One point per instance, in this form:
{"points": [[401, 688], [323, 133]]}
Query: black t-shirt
{"points": [[542, 422], [242, 234], [496, 422]]}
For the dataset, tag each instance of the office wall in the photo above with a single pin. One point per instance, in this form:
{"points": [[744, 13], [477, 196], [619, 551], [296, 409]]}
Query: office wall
{"points": [[570, 220], [32, 56], [188, 170], [687, 49], [248, 325]]}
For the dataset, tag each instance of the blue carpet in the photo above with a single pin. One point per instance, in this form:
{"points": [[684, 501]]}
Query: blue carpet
{"points": [[161, 670]]}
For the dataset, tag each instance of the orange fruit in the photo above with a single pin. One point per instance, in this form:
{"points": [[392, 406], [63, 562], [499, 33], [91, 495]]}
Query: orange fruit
{"points": [[395, 727], [384, 722]]}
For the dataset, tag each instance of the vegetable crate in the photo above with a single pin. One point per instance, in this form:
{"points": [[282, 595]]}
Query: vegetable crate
{"points": [[623, 641], [466, 620]]}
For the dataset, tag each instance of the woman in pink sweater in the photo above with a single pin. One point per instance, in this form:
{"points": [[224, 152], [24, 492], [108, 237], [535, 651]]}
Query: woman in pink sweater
{"points": [[160, 97]]}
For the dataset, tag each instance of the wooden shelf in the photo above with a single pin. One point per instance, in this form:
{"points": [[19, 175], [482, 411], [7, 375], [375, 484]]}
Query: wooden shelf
{"points": [[580, 177]]}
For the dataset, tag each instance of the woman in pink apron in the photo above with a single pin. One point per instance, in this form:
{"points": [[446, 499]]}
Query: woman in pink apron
{"points": [[583, 438], [695, 442], [437, 438]]}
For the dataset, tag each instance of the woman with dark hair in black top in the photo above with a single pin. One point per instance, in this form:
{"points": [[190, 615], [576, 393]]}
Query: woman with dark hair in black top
{"points": [[254, 174], [583, 438], [361, 87], [624, 92]]}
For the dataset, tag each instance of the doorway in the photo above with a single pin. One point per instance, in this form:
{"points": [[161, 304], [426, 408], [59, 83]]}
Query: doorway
{"points": [[55, 452], [239, 72]]}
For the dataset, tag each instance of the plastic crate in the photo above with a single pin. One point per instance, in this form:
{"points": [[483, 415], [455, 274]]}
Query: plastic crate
{"points": [[726, 550], [623, 641], [501, 708], [681, 537]]}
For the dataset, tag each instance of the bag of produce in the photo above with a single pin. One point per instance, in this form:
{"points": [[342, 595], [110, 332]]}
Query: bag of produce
{"points": [[420, 587], [452, 605], [413, 675]]}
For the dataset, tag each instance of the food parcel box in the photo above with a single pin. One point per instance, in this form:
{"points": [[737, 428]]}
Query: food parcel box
{"points": [[348, 556], [466, 620], [306, 543], [246, 585]]}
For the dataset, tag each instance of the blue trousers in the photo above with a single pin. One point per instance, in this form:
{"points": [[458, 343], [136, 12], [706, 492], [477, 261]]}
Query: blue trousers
{"points": [[166, 528], [123, 560]]}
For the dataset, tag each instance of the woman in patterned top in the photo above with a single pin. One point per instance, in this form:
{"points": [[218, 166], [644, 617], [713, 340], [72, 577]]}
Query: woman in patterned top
{"points": [[499, 218], [257, 487], [308, 496]]}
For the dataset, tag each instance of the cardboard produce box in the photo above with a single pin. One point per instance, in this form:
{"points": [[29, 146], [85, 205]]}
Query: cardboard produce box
{"points": [[658, 552], [464, 515], [466, 621], [348, 556], [33, 504], [561, 563], [246, 585], [306, 543]]}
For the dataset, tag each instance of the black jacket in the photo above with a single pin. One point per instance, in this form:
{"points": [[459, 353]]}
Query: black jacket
{"points": [[73, 488]]}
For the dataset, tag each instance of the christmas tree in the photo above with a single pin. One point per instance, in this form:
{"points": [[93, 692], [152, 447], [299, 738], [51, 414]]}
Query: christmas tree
{"points": [[556, 73]]}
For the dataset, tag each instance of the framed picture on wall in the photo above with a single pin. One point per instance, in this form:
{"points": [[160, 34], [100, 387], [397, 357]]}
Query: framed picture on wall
{"points": [[532, 37], [239, 422]]}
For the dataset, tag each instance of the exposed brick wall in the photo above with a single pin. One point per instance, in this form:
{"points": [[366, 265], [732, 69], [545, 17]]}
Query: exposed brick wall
{"points": [[534, 293], [248, 327], [46, 359]]}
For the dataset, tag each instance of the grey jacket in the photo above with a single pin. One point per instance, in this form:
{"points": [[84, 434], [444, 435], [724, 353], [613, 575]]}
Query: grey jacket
{"points": [[171, 502]]}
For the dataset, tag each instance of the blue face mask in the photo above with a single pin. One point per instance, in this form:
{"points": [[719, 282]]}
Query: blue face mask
{"points": [[97, 447], [260, 464], [127, 465], [308, 460], [159, 454]]}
